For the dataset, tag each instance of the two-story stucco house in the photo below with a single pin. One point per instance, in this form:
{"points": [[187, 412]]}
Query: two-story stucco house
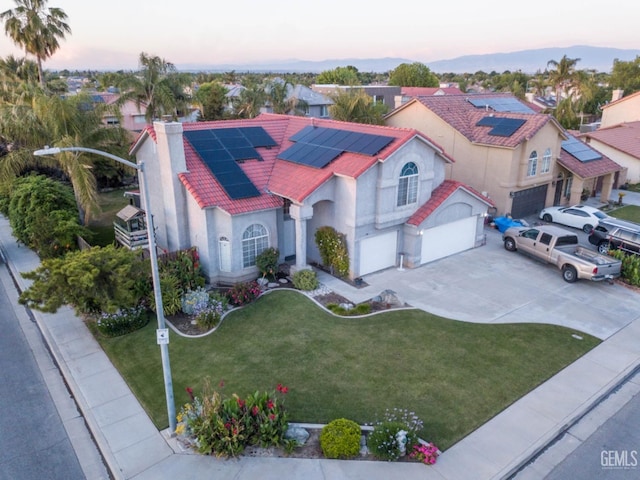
{"points": [[234, 188], [503, 148]]}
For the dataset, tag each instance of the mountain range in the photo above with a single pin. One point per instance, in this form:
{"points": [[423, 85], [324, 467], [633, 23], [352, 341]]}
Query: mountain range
{"points": [[528, 61]]}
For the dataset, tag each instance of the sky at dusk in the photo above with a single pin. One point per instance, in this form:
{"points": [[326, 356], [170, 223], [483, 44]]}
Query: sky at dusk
{"points": [[110, 35]]}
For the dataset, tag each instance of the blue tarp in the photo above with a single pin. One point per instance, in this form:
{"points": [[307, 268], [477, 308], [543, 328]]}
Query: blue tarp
{"points": [[502, 223]]}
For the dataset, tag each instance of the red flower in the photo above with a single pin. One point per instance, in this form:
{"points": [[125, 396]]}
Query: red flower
{"points": [[270, 404], [281, 388], [255, 410], [241, 403], [272, 417], [190, 393]]}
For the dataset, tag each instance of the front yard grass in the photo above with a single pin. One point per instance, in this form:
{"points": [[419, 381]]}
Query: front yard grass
{"points": [[628, 212], [454, 375]]}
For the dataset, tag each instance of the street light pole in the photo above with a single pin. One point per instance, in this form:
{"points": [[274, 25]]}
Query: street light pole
{"points": [[162, 332]]}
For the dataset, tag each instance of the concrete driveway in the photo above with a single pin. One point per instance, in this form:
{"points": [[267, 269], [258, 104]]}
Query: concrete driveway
{"points": [[491, 285]]}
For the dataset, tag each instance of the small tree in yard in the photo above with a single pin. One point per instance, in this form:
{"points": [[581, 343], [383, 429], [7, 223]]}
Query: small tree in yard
{"points": [[92, 281]]}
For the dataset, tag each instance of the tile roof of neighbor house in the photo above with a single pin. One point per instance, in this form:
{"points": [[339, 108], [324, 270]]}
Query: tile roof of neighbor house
{"points": [[624, 137], [439, 195], [588, 169], [620, 100], [462, 115], [427, 91], [276, 176]]}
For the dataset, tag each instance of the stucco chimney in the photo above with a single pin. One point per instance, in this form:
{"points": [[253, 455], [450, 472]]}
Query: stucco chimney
{"points": [[617, 94]]}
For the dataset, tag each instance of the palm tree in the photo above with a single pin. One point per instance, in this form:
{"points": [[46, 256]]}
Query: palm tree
{"points": [[37, 29], [282, 100], [250, 101], [563, 75], [159, 87], [32, 120], [354, 105]]}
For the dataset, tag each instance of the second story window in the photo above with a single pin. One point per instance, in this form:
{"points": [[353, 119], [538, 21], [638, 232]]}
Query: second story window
{"points": [[378, 99], [408, 185], [324, 111], [546, 161], [532, 167]]}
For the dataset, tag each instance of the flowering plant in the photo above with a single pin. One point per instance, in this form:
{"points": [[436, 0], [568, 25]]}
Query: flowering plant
{"points": [[425, 453], [225, 426], [122, 322], [243, 293]]}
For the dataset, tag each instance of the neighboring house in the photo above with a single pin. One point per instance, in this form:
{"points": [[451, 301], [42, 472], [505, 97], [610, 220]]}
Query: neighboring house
{"points": [[407, 93], [132, 117], [620, 143], [381, 94], [621, 109], [584, 166], [234, 188], [314, 104], [502, 148]]}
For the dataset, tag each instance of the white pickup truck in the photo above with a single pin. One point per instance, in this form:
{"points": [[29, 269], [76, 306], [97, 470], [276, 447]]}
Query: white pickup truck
{"points": [[560, 247]]}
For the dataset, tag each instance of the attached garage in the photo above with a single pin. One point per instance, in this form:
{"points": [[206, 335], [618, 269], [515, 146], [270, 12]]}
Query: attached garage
{"points": [[379, 252], [448, 239], [529, 201]]}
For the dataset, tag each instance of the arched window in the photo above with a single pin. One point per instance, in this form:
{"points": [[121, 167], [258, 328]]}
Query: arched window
{"points": [[532, 167], [254, 241], [546, 161], [408, 185]]}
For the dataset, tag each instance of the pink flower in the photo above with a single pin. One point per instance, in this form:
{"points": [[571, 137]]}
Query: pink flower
{"points": [[255, 410]]}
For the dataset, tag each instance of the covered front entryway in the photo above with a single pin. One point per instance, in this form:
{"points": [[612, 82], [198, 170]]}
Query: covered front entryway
{"points": [[529, 201], [448, 239], [378, 252]]}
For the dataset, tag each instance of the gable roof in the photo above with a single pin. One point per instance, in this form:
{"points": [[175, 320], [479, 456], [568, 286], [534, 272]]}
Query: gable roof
{"points": [[461, 114], [590, 168], [427, 91], [438, 197], [273, 175], [624, 137], [621, 100]]}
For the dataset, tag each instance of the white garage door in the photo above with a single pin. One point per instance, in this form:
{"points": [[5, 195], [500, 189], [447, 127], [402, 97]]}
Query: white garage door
{"points": [[445, 240], [378, 252]]}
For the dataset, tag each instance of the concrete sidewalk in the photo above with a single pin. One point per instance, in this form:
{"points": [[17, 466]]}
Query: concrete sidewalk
{"points": [[134, 449]]}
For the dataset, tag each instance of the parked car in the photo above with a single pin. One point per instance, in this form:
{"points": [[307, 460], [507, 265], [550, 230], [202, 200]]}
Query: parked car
{"points": [[613, 233], [559, 247], [583, 217]]}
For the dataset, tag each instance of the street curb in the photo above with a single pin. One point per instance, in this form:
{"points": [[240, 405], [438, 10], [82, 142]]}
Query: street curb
{"points": [[556, 434]]}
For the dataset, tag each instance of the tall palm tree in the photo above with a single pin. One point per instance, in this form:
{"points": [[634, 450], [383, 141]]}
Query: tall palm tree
{"points": [[31, 121], [158, 86], [250, 101], [282, 100], [563, 75], [36, 28]]}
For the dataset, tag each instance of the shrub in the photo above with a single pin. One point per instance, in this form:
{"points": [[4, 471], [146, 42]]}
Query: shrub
{"points": [[333, 250], [383, 441], [195, 300], [305, 280], [267, 262], [208, 315], [630, 266], [171, 295], [360, 309], [425, 453], [340, 439], [243, 293], [122, 322]]}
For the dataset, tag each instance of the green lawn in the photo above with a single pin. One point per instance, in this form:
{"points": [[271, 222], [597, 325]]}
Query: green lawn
{"points": [[102, 223], [628, 212], [454, 375]]}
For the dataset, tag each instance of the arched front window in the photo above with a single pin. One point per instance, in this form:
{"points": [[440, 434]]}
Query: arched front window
{"points": [[533, 164], [254, 241], [408, 185], [546, 161]]}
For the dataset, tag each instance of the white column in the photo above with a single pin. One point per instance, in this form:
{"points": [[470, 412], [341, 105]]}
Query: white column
{"points": [[301, 213]]}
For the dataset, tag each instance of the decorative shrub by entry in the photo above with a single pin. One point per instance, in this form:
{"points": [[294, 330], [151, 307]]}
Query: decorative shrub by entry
{"points": [[122, 322]]}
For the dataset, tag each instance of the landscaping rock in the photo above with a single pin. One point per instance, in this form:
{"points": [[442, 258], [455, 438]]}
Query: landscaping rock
{"points": [[391, 298], [299, 434]]}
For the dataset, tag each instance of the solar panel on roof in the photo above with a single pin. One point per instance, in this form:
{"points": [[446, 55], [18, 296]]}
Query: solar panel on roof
{"points": [[487, 121], [580, 150], [244, 153], [502, 126], [258, 137], [501, 104]]}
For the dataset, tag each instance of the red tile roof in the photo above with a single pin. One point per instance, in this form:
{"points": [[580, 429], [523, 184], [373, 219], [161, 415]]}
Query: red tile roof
{"points": [[439, 195], [280, 177], [624, 137], [591, 169], [458, 112], [427, 91]]}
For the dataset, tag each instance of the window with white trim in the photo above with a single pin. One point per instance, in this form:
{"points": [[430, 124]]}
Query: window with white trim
{"points": [[254, 241], [408, 185], [532, 167], [546, 161]]}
